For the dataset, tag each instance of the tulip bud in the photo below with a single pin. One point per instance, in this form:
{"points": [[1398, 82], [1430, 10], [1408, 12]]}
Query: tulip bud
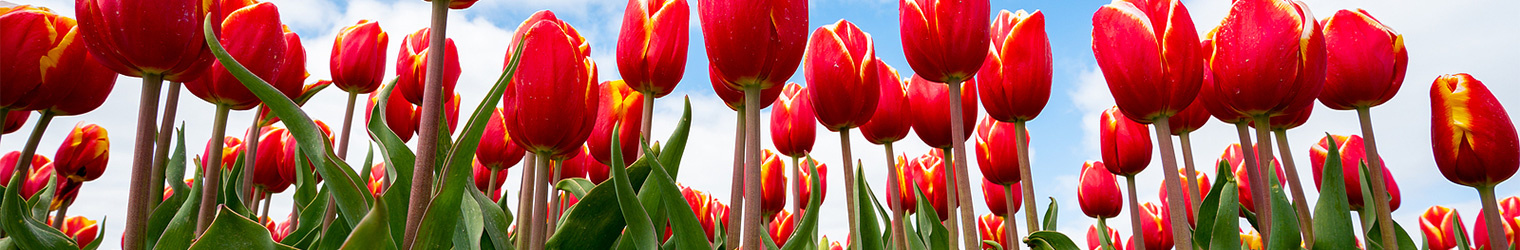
{"points": [[889, 123], [781, 227], [1014, 81], [997, 198], [582, 165], [81, 229], [1473, 138], [138, 38], [720, 211], [83, 154], [1190, 118], [930, 112], [702, 205], [842, 74], [991, 228], [931, 179], [735, 98], [1364, 63], [412, 65], [908, 175], [1126, 143], [483, 181], [291, 151], [1268, 58], [8, 165], [792, 122], [1155, 222], [554, 92], [772, 183], [1149, 55], [358, 64], [651, 48], [400, 116], [1095, 243], [496, 150], [253, 36], [1236, 159], [36, 177], [945, 39], [836, 246], [996, 152], [14, 120], [1442, 226], [621, 106], [1507, 215], [1098, 191], [376, 180], [804, 182], [273, 162], [754, 43], [1353, 158], [1187, 197], [232, 148], [46, 67]]}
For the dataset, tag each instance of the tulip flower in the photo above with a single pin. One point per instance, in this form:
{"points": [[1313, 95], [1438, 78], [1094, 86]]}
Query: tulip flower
{"points": [[1157, 234], [720, 211], [15, 118], [781, 227], [554, 92], [1094, 240], [703, 206], [1351, 155], [231, 149], [1481, 229], [273, 161], [944, 39], [83, 230], [580, 165], [1251, 240], [84, 153], [376, 182], [1014, 80], [995, 151], [1150, 56], [486, 182], [1098, 192], [836, 246], [1237, 161], [997, 198], [400, 116], [931, 179], [651, 49], [909, 173], [1365, 61], [1200, 180], [1442, 226], [141, 38], [1126, 144], [45, 68], [291, 150], [842, 75], [37, 179], [991, 228], [773, 183], [358, 53], [253, 35], [804, 187], [8, 164], [1473, 138], [890, 122], [412, 64], [618, 106], [793, 128], [1268, 57], [929, 101], [734, 98], [496, 150]]}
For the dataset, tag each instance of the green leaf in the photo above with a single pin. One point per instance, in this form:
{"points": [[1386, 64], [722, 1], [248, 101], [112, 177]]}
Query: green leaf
{"points": [[399, 163], [232, 231], [470, 226], [231, 194], [1209, 207], [934, 233], [1225, 224], [870, 223], [43, 199], [1405, 242], [1050, 216], [686, 230], [373, 232], [174, 172], [181, 228], [24, 231], [1285, 231], [335, 235], [1332, 213], [639, 226], [591, 224], [1050, 240], [496, 222], [803, 237], [576, 186], [306, 234]]}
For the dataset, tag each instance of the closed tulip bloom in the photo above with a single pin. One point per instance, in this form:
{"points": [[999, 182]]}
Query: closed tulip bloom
{"points": [[772, 183], [84, 153], [459, 4], [1149, 54], [30, 33], [1236, 159], [1474, 140], [482, 176], [720, 211], [358, 57], [37, 179], [997, 199], [554, 91], [991, 228], [496, 151], [1095, 243], [836, 246], [1203, 190], [734, 98], [1155, 222], [804, 182], [1268, 57], [291, 151], [781, 227], [1014, 81], [1508, 213], [583, 165], [1290, 119], [293, 69], [8, 165], [46, 67], [651, 48], [890, 121], [232, 147], [908, 174], [995, 151], [931, 118], [1441, 226], [1353, 158], [1191, 118], [142, 37], [412, 64], [1126, 144], [376, 180], [702, 205], [842, 75], [1364, 63], [14, 120], [754, 43], [400, 116], [81, 229], [252, 34], [619, 106], [273, 162], [945, 40], [931, 180], [792, 122], [1098, 191]]}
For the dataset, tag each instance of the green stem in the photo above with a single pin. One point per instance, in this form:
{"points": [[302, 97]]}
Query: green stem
{"points": [[1260, 189], [797, 190], [213, 174], [1026, 177], [1194, 197], [898, 235], [1103, 239], [849, 187], [427, 138], [648, 119], [1379, 185], [1134, 213], [525, 200], [1300, 203], [736, 185], [1181, 229], [1008, 221], [963, 176], [1491, 216], [753, 226], [142, 163], [161, 153]]}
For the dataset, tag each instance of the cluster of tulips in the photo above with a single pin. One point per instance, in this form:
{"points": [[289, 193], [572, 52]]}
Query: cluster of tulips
{"points": [[594, 178]]}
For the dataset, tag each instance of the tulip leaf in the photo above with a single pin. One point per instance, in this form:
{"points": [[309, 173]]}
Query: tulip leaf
{"points": [[470, 225], [231, 190], [496, 222], [99, 234], [1375, 239], [936, 236], [1405, 242], [305, 234], [1050, 216], [1285, 230], [576, 186], [807, 229], [23, 230], [232, 231], [1225, 224], [399, 161], [1332, 213], [640, 228], [870, 224], [175, 173], [1209, 207], [994, 244], [335, 235], [1050, 240], [686, 230], [372, 232], [43, 199], [181, 228]]}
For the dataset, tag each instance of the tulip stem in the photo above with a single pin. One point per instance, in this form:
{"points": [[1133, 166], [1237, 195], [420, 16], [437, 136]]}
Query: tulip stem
{"points": [[752, 220], [1134, 213], [951, 225], [1192, 173], [1104, 241], [525, 202], [1490, 216], [63, 210], [736, 187], [142, 162], [648, 120], [348, 122], [797, 189], [24, 164], [1181, 229], [892, 196], [1299, 202], [1008, 227], [427, 141], [250, 155], [268, 201], [962, 177], [849, 187], [171, 105], [1253, 167], [491, 187], [1026, 178], [213, 174], [1379, 185], [551, 216], [1264, 160]]}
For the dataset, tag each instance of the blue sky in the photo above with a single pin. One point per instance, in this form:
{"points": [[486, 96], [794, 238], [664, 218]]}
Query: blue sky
{"points": [[1442, 36]]}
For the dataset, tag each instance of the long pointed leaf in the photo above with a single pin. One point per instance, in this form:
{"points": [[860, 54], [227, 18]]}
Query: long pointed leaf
{"points": [[373, 232], [232, 231], [870, 224], [1285, 232], [639, 225], [686, 231], [24, 231], [1332, 213], [181, 228]]}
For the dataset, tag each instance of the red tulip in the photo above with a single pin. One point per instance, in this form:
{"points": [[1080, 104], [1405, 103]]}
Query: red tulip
{"points": [[1290, 119], [232, 148], [8, 165], [483, 180], [1352, 159], [1364, 63], [1236, 159], [930, 112], [554, 91], [997, 198], [1149, 54], [754, 43], [836, 246], [1251, 240], [496, 151], [291, 151], [720, 211], [1209, 96], [772, 183], [1268, 58], [651, 49], [400, 116], [1155, 221], [1187, 197], [889, 123], [1015, 79], [169, 191], [583, 165], [1126, 143], [277, 231], [703, 206], [138, 38], [1442, 226], [376, 180], [908, 175], [459, 4], [996, 153], [781, 227], [45, 68], [84, 153], [991, 228], [621, 106], [945, 40], [358, 53], [37, 177], [253, 35], [792, 122], [293, 69], [14, 119], [1474, 140], [1509, 211], [734, 98], [81, 229], [1095, 243], [931, 180], [411, 65], [842, 74], [1190, 118], [804, 182], [1098, 191], [273, 162]]}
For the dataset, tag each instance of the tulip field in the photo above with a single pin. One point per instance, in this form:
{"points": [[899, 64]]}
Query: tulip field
{"points": [[612, 154]]}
